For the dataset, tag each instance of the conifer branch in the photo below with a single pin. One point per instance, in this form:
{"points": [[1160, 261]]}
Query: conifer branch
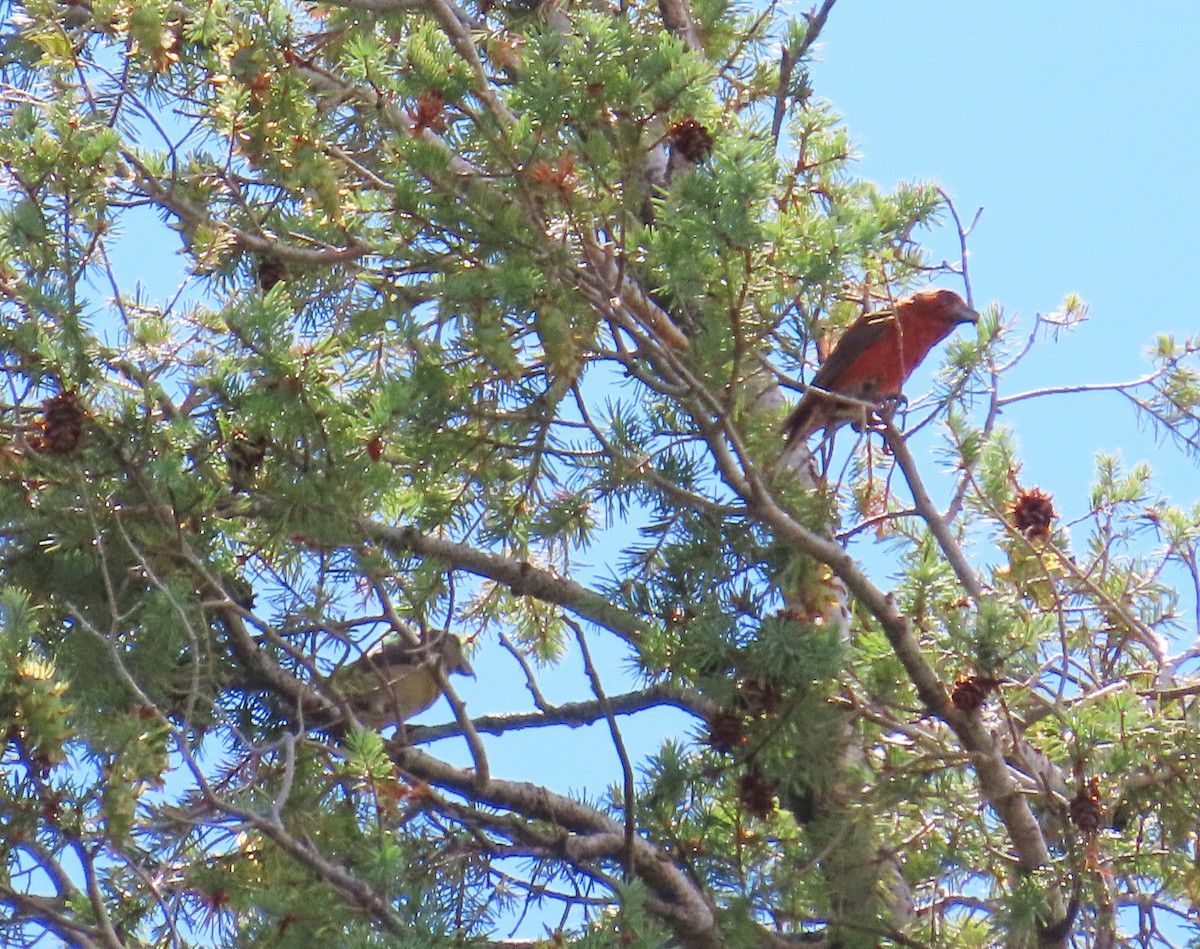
{"points": [[522, 577]]}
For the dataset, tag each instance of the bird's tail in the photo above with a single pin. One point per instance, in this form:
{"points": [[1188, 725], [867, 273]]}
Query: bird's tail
{"points": [[799, 426]]}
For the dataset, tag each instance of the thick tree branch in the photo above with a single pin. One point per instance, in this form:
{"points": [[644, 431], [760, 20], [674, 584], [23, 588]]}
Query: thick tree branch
{"points": [[929, 513], [522, 577], [593, 836], [678, 19]]}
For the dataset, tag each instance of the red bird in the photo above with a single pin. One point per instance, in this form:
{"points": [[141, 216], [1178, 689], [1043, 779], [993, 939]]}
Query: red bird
{"points": [[874, 358]]}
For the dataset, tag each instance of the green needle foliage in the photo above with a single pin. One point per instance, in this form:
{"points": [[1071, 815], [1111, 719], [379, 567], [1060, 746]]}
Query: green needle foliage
{"points": [[488, 316]]}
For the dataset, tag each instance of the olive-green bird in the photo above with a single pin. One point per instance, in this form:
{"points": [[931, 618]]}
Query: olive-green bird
{"points": [[395, 681]]}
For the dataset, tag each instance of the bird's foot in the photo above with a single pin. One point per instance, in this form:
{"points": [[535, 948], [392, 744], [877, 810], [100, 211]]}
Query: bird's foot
{"points": [[883, 414], [877, 418], [888, 407]]}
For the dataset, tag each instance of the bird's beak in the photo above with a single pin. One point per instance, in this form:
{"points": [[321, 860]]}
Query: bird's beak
{"points": [[967, 315], [464, 668]]}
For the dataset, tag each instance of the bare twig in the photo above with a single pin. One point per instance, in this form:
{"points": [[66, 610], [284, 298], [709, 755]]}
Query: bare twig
{"points": [[618, 744], [789, 57], [577, 714], [963, 234]]}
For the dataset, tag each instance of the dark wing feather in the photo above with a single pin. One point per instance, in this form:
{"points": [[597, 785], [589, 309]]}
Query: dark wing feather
{"points": [[391, 654]]}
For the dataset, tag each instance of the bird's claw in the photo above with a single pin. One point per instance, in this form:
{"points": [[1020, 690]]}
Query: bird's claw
{"points": [[877, 419], [890, 406], [884, 413]]}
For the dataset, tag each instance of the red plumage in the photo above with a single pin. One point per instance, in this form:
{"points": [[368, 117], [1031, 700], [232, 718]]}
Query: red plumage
{"points": [[874, 358]]}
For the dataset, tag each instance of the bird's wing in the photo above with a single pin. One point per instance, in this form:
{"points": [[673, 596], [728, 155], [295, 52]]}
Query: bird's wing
{"points": [[394, 654], [863, 332], [389, 684]]}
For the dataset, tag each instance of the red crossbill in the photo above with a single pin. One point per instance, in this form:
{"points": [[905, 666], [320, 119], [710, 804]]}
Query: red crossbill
{"points": [[873, 359]]}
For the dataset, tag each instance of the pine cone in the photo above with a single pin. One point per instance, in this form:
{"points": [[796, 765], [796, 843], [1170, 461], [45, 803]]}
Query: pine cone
{"points": [[1086, 809], [270, 272], [691, 140], [429, 113], [726, 731], [757, 796], [970, 692], [758, 698], [61, 426], [1032, 512], [244, 455]]}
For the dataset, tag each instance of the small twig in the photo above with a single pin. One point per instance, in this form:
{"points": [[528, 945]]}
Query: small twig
{"points": [[875, 521], [963, 234], [788, 59], [618, 744], [96, 897], [1118, 387], [539, 700]]}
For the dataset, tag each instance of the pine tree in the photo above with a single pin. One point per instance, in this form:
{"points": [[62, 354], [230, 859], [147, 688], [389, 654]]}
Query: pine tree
{"points": [[480, 296]]}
